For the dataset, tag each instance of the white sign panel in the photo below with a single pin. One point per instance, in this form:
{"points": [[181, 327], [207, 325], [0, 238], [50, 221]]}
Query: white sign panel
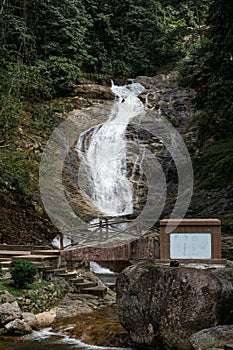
{"points": [[190, 246]]}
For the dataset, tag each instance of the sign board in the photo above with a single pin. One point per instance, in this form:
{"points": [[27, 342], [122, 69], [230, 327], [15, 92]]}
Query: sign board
{"points": [[190, 246], [191, 241]]}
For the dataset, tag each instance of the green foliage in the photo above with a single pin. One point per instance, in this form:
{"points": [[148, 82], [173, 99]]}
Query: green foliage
{"points": [[17, 40], [64, 30], [3, 331], [15, 175], [214, 166], [22, 272], [42, 46], [134, 38], [10, 112], [10, 106], [60, 40], [210, 73], [61, 74], [7, 284]]}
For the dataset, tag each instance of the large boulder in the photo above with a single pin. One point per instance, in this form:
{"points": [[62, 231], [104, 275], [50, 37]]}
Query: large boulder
{"points": [[9, 312], [162, 305]]}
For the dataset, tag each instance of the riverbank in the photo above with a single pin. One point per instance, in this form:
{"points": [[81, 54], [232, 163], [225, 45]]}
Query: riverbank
{"points": [[90, 319], [93, 318]]}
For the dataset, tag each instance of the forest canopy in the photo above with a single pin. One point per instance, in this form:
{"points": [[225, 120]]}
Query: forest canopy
{"points": [[50, 44]]}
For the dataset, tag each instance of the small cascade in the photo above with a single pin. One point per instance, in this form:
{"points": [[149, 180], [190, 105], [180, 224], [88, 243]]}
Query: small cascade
{"points": [[102, 150], [95, 267], [47, 339], [107, 276]]}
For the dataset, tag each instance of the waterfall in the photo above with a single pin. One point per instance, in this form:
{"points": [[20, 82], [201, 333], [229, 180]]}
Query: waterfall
{"points": [[104, 154]]}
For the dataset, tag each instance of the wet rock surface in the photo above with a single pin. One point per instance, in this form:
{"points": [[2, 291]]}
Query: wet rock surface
{"points": [[163, 306], [99, 328], [76, 304], [162, 96], [166, 97]]}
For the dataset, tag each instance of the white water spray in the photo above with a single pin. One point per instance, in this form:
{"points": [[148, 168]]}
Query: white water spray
{"points": [[105, 156], [95, 267]]}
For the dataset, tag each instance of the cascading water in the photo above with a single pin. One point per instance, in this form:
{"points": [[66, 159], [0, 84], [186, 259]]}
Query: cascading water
{"points": [[105, 155]]}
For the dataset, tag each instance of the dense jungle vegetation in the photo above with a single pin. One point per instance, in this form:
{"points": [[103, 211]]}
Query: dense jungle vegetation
{"points": [[48, 46]]}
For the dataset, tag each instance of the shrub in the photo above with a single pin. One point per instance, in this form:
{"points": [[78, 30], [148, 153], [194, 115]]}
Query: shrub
{"points": [[22, 272]]}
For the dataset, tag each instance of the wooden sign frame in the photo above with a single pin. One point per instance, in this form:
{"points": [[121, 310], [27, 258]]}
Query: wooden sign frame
{"points": [[209, 228]]}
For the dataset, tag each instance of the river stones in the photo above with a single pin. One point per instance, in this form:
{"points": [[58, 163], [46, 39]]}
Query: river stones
{"points": [[14, 321], [18, 327], [9, 312]]}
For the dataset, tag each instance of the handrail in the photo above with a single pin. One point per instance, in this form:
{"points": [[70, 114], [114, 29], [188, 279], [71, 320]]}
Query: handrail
{"points": [[106, 230]]}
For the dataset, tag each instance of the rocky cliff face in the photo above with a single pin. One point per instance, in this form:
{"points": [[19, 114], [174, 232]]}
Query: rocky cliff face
{"points": [[162, 96], [163, 306], [175, 103]]}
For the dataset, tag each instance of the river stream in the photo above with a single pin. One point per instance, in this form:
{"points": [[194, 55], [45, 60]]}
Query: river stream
{"points": [[99, 330], [81, 333]]}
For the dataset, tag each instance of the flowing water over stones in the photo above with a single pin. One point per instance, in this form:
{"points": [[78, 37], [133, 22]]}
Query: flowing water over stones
{"points": [[99, 330], [107, 276]]}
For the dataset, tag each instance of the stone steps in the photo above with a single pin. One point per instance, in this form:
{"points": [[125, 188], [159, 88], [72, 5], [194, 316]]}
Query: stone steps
{"points": [[49, 270], [11, 253], [38, 255], [68, 276], [34, 257], [22, 247], [85, 285], [5, 269], [46, 252], [76, 283], [5, 263], [39, 260], [97, 291], [50, 274], [41, 256], [77, 280]]}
